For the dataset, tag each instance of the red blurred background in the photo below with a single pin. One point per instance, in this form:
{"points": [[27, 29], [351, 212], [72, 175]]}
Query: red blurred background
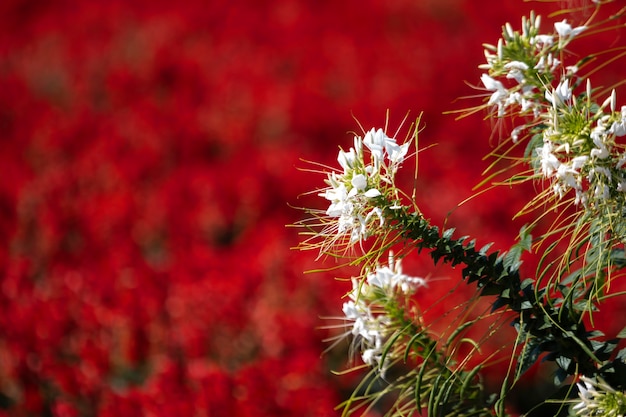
{"points": [[149, 155]]}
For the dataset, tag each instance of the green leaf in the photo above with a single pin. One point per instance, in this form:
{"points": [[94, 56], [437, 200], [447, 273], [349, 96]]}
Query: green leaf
{"points": [[484, 249], [447, 234], [564, 362], [528, 356], [525, 239]]}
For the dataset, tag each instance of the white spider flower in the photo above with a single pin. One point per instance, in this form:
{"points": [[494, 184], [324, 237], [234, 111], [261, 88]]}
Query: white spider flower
{"points": [[548, 62], [338, 197], [380, 145], [372, 357], [369, 329], [548, 161], [360, 315], [566, 32], [579, 161], [390, 278], [560, 95], [516, 70], [543, 40], [599, 136], [619, 128], [347, 160], [361, 191], [500, 94], [568, 176], [350, 207]]}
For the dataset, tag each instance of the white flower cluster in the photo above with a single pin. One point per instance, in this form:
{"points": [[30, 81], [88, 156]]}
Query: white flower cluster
{"points": [[574, 140], [597, 398], [366, 309], [527, 62], [579, 150], [352, 192]]}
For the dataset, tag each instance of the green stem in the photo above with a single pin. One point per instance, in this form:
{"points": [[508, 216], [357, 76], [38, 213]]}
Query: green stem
{"points": [[544, 327]]}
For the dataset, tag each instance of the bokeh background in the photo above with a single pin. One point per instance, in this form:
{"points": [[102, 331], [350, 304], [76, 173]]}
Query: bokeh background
{"points": [[151, 153]]}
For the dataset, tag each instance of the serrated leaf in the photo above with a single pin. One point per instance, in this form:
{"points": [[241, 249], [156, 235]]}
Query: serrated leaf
{"points": [[528, 357], [564, 362], [484, 249], [622, 333], [447, 234], [511, 260], [525, 239]]}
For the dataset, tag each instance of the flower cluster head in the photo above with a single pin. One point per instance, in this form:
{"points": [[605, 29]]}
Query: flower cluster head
{"points": [[597, 398], [369, 309], [359, 194], [577, 148], [522, 64], [573, 141]]}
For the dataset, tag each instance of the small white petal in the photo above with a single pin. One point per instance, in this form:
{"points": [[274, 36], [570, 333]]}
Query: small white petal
{"points": [[359, 182]]}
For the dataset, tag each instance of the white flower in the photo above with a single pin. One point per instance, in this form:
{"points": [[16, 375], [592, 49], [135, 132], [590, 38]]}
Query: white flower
{"points": [[355, 212], [371, 356], [375, 142], [499, 95], [516, 70], [567, 175], [543, 40], [397, 152], [381, 278], [347, 159], [369, 330], [378, 212], [560, 94], [361, 316], [619, 128], [566, 32], [549, 162], [547, 62], [390, 278], [586, 392], [338, 197], [599, 135], [380, 145], [579, 161]]}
